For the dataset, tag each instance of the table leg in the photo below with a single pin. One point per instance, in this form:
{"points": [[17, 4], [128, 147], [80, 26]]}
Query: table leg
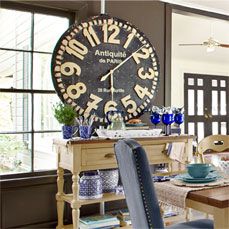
{"points": [[59, 197], [188, 214], [102, 208], [75, 205], [221, 218]]}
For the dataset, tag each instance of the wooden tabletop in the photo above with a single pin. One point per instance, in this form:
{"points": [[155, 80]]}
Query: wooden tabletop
{"points": [[217, 197], [101, 140]]}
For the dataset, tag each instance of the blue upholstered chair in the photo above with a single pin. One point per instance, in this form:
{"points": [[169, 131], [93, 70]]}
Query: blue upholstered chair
{"points": [[139, 189]]}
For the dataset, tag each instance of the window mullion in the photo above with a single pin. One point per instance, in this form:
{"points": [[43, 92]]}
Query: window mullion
{"points": [[32, 94]]}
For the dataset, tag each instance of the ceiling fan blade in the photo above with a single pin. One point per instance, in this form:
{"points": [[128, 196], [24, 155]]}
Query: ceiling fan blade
{"points": [[189, 44], [223, 45]]}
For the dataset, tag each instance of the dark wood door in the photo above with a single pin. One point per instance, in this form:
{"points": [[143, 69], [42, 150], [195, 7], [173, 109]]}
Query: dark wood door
{"points": [[206, 104]]}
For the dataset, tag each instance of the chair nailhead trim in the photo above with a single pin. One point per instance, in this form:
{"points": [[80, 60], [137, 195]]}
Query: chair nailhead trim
{"points": [[142, 190]]}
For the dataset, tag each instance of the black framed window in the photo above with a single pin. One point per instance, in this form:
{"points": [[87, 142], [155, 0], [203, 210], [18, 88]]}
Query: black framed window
{"points": [[27, 125]]}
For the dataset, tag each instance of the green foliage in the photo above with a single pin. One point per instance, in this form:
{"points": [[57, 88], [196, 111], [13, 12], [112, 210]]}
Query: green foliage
{"points": [[10, 144], [10, 148], [64, 114]]}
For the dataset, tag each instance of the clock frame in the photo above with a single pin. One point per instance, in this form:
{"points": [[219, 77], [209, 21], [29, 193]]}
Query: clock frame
{"points": [[105, 63]]}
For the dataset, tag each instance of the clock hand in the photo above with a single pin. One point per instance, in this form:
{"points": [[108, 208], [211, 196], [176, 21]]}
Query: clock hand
{"points": [[119, 65], [112, 85]]}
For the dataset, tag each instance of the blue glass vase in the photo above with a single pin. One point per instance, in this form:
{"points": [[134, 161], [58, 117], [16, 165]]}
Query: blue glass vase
{"points": [[155, 118], [167, 119]]}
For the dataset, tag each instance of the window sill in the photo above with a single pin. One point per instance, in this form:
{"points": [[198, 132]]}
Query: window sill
{"points": [[29, 179]]}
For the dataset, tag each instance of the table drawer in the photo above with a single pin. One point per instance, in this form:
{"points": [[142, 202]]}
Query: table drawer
{"points": [[99, 156], [104, 156]]}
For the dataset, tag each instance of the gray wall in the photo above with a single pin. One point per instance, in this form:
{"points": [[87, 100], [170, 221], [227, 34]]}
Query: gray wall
{"points": [[30, 202], [149, 17]]}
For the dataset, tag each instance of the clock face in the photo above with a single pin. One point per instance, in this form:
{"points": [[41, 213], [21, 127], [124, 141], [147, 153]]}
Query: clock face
{"points": [[105, 64]]}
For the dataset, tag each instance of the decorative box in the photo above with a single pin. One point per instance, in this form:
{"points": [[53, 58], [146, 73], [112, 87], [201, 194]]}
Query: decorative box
{"points": [[109, 179], [90, 186]]}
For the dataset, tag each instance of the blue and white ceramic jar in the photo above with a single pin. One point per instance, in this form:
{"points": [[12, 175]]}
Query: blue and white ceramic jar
{"points": [[109, 179], [90, 186]]}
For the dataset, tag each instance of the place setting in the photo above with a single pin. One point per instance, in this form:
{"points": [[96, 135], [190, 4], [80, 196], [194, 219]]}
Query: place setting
{"points": [[199, 175]]}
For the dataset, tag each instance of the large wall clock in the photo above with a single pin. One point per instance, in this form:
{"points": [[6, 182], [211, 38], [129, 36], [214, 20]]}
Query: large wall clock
{"points": [[105, 63]]}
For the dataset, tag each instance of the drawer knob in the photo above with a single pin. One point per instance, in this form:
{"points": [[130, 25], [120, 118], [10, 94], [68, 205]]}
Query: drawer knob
{"points": [[109, 155]]}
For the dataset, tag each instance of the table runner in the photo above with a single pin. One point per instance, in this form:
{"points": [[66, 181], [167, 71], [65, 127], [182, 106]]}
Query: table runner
{"points": [[169, 193]]}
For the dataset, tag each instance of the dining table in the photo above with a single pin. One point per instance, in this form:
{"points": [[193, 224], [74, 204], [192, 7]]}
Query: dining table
{"points": [[214, 201]]}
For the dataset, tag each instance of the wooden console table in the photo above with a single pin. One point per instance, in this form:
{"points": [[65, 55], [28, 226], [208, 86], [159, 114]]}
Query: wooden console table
{"points": [[84, 155]]}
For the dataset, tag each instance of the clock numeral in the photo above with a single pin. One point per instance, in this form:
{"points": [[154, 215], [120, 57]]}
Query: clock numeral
{"points": [[146, 75], [91, 36], [110, 106], [126, 101], [129, 39], [112, 38], [70, 68], [142, 91], [92, 105], [143, 55], [77, 49], [74, 91]]}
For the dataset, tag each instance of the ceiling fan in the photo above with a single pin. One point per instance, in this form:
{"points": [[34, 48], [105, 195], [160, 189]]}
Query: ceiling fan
{"points": [[210, 44]]}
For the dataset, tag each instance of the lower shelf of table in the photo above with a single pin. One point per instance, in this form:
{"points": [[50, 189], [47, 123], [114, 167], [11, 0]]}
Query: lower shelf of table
{"points": [[70, 226], [106, 198], [166, 221]]}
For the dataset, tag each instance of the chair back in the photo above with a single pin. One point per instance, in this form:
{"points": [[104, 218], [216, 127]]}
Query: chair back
{"points": [[138, 185], [215, 143]]}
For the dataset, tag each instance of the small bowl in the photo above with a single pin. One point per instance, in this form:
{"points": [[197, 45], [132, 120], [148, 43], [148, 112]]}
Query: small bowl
{"points": [[198, 170]]}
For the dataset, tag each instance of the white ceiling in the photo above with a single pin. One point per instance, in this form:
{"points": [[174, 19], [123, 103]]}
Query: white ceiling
{"points": [[217, 6], [195, 29]]}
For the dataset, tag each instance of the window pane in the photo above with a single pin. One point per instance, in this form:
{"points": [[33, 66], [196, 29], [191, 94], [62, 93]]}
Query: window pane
{"points": [[17, 29], [191, 128], [223, 128], [214, 102], [190, 81], [44, 155], [15, 69], [214, 127], [222, 83], [214, 83], [191, 99], [41, 72], [200, 127], [43, 113], [15, 112], [200, 82], [15, 153], [200, 102], [47, 31], [223, 104]]}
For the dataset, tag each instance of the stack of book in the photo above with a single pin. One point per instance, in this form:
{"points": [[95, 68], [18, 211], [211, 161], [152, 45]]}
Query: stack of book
{"points": [[106, 221], [124, 217]]}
